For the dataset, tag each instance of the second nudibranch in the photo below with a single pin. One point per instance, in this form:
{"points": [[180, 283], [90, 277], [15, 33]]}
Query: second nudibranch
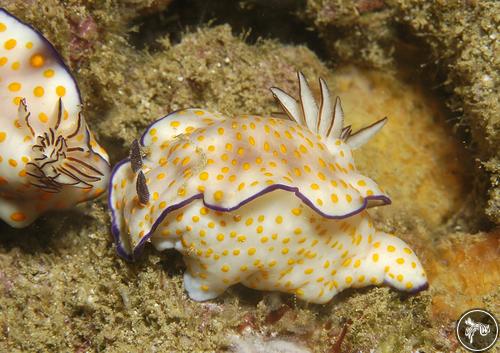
{"points": [[271, 203], [48, 156]]}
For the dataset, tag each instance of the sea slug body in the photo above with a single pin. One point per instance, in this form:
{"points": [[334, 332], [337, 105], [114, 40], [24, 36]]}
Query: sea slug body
{"points": [[48, 156], [271, 203]]}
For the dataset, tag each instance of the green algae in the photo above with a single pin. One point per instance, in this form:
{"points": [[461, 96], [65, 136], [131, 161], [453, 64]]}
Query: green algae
{"points": [[62, 286]]}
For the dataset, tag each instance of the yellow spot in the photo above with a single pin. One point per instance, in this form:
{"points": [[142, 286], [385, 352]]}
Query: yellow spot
{"points": [[279, 219], [348, 198], [400, 261], [361, 183], [375, 257], [218, 195], [38, 91], [391, 248], [175, 124], [346, 263], [348, 279], [400, 278], [18, 217], [357, 263], [204, 288], [413, 265], [361, 278], [314, 186], [309, 271], [3, 135], [203, 175], [242, 239], [14, 86], [409, 285], [220, 237], [284, 251], [16, 65], [43, 117], [220, 131], [251, 251], [162, 204], [29, 45], [3, 27], [296, 211], [406, 250], [10, 44]]}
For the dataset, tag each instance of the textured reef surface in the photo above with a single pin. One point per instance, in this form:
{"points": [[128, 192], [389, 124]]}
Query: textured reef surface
{"points": [[431, 68]]}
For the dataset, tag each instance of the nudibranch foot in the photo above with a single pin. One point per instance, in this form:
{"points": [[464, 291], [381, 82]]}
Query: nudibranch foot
{"points": [[49, 159], [271, 203]]}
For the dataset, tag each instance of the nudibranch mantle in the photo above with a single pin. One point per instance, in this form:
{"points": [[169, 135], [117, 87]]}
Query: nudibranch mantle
{"points": [[271, 203], [49, 159]]}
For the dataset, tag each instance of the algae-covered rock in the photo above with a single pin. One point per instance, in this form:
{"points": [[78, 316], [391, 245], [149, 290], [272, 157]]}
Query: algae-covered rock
{"points": [[454, 43]]}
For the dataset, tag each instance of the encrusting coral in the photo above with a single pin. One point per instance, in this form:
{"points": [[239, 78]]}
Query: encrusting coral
{"points": [[49, 158], [272, 203]]}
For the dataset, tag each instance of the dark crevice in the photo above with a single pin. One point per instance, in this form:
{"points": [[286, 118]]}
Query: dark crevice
{"points": [[252, 20]]}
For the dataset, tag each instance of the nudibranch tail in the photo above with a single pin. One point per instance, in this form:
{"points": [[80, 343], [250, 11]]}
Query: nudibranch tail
{"points": [[56, 161], [324, 120]]}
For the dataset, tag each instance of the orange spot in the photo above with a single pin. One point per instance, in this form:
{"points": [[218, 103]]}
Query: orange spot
{"points": [[10, 44], [48, 73], [38, 91], [3, 181], [12, 162], [29, 45], [3, 27], [16, 65], [18, 217], [37, 60], [14, 86], [43, 117], [3, 61], [3, 135]]}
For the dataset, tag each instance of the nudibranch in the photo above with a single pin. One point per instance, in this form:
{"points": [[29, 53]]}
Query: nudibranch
{"points": [[49, 159], [275, 204]]}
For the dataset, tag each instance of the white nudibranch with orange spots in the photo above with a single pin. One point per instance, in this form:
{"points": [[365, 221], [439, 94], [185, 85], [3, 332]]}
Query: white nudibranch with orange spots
{"points": [[48, 157], [271, 203]]}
